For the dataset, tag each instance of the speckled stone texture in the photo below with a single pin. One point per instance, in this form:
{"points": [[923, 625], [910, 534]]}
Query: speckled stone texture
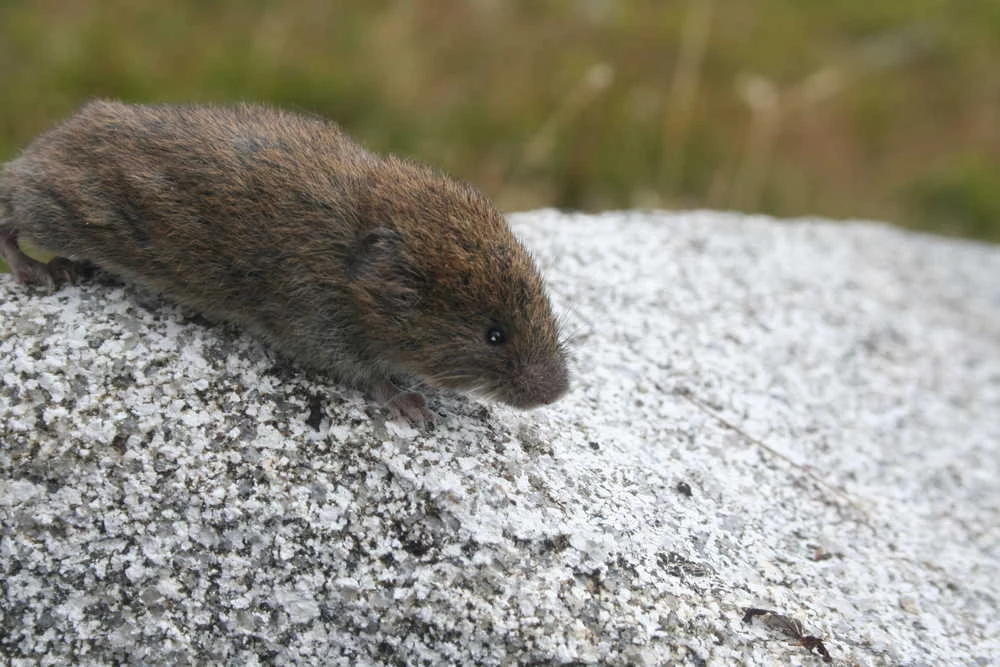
{"points": [[802, 417]]}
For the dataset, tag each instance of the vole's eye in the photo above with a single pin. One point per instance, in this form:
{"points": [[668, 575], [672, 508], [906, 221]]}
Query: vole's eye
{"points": [[496, 335]]}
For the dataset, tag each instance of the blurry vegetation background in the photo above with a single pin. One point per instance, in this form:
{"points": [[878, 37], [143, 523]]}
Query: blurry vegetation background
{"points": [[885, 109]]}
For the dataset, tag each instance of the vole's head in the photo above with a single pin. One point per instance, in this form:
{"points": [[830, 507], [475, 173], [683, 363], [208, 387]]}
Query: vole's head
{"points": [[449, 295]]}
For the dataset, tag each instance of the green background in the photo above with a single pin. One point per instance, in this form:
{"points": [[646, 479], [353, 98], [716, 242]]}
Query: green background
{"points": [[883, 109]]}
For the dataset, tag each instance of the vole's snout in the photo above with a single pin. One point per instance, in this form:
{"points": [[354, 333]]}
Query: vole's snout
{"points": [[539, 384]]}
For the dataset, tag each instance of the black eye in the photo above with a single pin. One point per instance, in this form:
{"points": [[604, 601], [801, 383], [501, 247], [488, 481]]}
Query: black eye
{"points": [[496, 335]]}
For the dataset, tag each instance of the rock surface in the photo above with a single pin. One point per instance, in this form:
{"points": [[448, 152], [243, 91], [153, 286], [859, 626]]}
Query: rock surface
{"points": [[795, 416]]}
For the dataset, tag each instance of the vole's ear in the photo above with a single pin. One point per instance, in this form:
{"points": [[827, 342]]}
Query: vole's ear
{"points": [[374, 254], [378, 266]]}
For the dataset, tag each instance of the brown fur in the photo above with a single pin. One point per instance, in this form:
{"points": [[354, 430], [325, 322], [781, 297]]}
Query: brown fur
{"points": [[370, 267]]}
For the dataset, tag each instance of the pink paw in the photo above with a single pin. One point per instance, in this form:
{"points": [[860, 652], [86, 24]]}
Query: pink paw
{"points": [[403, 405]]}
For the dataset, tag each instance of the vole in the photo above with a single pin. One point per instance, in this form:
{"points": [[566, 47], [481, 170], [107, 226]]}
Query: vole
{"points": [[374, 268]]}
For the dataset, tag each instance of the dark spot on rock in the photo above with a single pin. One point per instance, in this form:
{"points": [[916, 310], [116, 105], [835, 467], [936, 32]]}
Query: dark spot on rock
{"points": [[677, 565], [315, 412], [118, 442]]}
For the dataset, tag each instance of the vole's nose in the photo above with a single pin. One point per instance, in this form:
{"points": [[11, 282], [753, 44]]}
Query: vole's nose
{"points": [[540, 384]]}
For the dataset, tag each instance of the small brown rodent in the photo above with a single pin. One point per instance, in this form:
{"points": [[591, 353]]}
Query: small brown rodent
{"points": [[375, 268]]}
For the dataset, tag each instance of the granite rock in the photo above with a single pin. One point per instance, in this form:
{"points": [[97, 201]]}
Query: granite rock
{"points": [[793, 416]]}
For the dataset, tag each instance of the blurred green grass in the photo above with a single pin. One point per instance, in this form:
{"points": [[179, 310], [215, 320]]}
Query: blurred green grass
{"points": [[845, 108]]}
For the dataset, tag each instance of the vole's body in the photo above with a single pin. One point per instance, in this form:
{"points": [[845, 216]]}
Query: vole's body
{"points": [[370, 267]]}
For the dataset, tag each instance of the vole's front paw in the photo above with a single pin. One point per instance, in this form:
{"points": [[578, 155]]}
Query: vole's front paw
{"points": [[405, 405]]}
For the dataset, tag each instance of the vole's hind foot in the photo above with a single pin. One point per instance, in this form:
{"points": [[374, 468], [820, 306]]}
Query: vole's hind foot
{"points": [[62, 270], [30, 271], [403, 405]]}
